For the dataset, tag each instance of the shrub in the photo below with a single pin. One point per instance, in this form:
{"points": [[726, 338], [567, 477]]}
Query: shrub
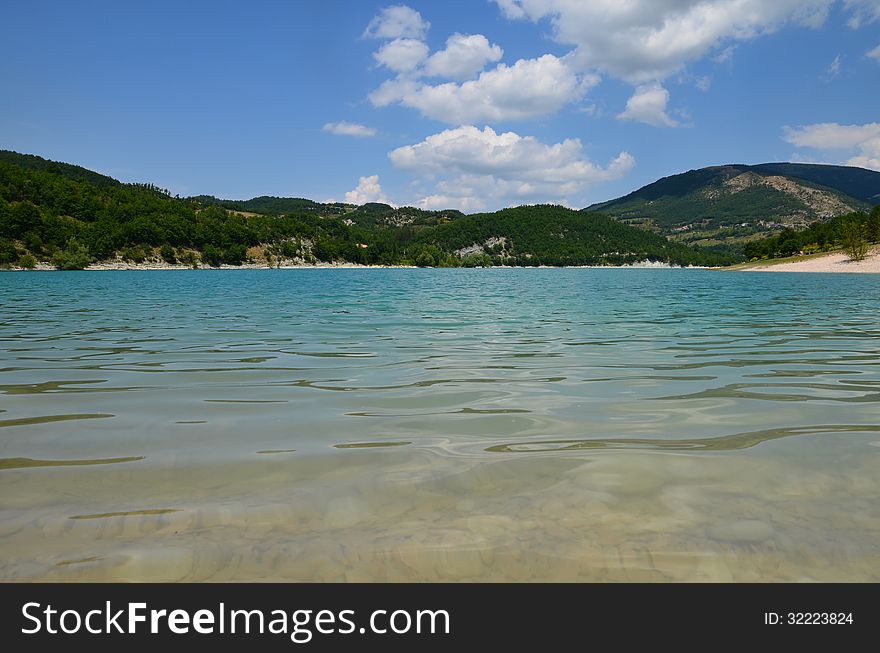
{"points": [[288, 249], [235, 255], [74, 257], [425, 260], [476, 261], [27, 261], [136, 253], [189, 258], [213, 256], [167, 254]]}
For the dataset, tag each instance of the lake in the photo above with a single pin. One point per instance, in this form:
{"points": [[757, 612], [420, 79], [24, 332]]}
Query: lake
{"points": [[439, 425]]}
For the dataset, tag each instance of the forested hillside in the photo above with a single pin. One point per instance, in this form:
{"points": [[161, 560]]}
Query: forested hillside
{"points": [[71, 217], [735, 204]]}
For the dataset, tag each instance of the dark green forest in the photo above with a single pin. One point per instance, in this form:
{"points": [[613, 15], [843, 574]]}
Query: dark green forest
{"points": [[71, 217]]}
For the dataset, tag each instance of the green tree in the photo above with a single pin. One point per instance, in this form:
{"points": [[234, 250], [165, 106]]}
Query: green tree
{"points": [[425, 260], [74, 257], [25, 216], [235, 255], [8, 252], [213, 256], [855, 244], [479, 260], [167, 254], [27, 261], [874, 225], [189, 258]]}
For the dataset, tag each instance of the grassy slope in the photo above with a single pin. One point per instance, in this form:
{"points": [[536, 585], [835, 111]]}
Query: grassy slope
{"points": [[682, 199]]}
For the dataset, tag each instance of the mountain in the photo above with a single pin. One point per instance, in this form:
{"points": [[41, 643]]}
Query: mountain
{"points": [[71, 216], [736, 203]]}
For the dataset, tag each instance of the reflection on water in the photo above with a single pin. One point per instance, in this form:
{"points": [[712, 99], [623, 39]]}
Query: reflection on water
{"points": [[573, 425], [21, 463], [130, 513], [45, 419], [369, 445], [720, 443]]}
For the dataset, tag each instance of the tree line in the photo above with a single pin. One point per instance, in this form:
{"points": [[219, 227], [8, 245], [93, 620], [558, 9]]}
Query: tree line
{"points": [[851, 232], [71, 217]]}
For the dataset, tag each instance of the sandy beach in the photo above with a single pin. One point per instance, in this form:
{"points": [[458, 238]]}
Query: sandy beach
{"points": [[829, 263]]}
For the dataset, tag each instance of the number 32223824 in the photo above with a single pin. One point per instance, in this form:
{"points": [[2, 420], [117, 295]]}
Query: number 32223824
{"points": [[809, 618]]}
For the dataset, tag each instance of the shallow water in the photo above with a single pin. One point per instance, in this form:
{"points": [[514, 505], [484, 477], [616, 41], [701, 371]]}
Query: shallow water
{"points": [[360, 425]]}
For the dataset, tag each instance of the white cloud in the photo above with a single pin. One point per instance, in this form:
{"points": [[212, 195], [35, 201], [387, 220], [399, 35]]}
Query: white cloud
{"points": [[648, 105], [797, 157], [647, 40], [439, 202], [861, 140], [396, 22], [344, 128], [862, 11], [869, 161], [725, 56], [833, 69], [465, 55], [402, 55], [875, 53], [469, 165], [511, 9], [368, 190], [528, 88], [393, 90], [831, 135]]}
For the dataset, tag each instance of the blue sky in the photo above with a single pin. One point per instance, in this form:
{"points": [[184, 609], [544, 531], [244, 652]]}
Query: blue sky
{"points": [[467, 104]]}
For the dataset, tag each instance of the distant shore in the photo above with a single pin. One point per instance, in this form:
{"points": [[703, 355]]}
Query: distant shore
{"points": [[153, 265], [832, 262]]}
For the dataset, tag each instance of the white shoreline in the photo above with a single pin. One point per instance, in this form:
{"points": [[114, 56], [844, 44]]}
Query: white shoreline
{"points": [[119, 266]]}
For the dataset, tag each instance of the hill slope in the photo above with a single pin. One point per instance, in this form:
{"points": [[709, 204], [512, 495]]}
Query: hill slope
{"points": [[71, 216], [739, 202]]}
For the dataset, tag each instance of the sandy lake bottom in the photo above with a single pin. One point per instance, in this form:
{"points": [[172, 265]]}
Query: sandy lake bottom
{"points": [[439, 425]]}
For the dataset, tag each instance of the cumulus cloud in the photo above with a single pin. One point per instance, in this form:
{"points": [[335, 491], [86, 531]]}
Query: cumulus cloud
{"points": [[469, 166], [647, 40], [344, 128], [875, 53], [527, 89], [392, 91], [465, 55], [648, 105], [368, 190], [863, 141], [402, 55], [439, 202], [642, 42], [396, 22]]}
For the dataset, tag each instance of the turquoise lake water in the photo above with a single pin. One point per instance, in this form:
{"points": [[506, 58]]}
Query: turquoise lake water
{"points": [[501, 424]]}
